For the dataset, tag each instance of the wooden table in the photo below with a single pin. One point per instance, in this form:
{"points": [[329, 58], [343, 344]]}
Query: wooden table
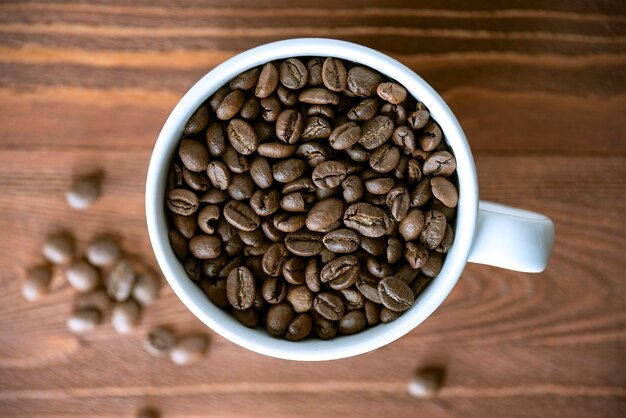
{"points": [[540, 89]]}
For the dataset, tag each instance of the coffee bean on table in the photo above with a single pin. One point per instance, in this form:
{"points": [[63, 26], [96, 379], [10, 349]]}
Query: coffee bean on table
{"points": [[102, 252], [189, 350], [146, 289], [58, 249], [120, 281], [84, 320], [159, 341], [82, 276], [37, 283], [83, 192], [395, 294], [125, 316]]}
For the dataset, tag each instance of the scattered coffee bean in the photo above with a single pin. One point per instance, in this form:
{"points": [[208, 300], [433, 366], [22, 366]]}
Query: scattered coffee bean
{"points": [[58, 249], [97, 299], [159, 341], [82, 276], [37, 283], [125, 316], [84, 320], [426, 382], [120, 281], [83, 192], [102, 252], [189, 350], [146, 289]]}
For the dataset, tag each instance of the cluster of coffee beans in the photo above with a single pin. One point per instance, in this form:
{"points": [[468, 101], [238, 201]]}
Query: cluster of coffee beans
{"points": [[312, 196]]}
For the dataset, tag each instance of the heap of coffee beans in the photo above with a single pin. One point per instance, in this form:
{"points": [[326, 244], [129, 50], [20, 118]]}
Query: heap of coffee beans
{"points": [[312, 196]]}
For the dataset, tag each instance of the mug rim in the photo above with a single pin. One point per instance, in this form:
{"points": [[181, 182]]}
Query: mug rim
{"points": [[259, 340]]}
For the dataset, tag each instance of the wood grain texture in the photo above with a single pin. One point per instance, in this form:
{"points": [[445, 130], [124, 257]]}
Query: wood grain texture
{"points": [[540, 90]]}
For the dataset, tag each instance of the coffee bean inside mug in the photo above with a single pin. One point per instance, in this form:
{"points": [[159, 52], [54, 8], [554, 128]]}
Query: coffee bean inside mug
{"points": [[318, 198]]}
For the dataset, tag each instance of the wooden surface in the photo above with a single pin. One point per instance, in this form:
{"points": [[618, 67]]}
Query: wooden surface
{"points": [[540, 89]]}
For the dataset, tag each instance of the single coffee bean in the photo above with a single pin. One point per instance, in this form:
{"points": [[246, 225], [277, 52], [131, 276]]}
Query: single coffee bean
{"points": [[205, 246], [215, 139], [419, 118], [394, 250], [102, 252], [395, 294], [211, 268], [289, 126], [216, 291], [219, 175], [58, 249], [372, 313], [376, 132], [194, 155], [314, 67], [377, 268], [300, 327], [192, 268], [397, 113], [84, 320], [234, 246], [414, 171], [419, 284], [318, 96], [321, 110], [159, 341], [186, 225], [446, 242], [242, 136], [261, 172], [440, 163], [265, 203], [387, 315], [380, 185], [393, 93], [196, 181], [289, 222], [433, 265], [444, 190], [255, 265], [82, 276], [434, 229], [241, 216], [312, 275], [422, 193], [363, 111], [385, 158], [304, 243], [274, 259], [286, 96], [345, 136], [334, 74], [235, 162], [293, 73], [367, 219], [241, 186], [268, 80], [375, 199], [183, 202], [213, 196], [398, 202], [316, 127], [240, 288], [274, 290], [300, 298], [404, 138], [198, 121], [342, 241], [358, 154], [368, 286], [325, 215], [189, 350], [179, 244], [232, 264], [430, 137], [294, 270], [406, 273], [83, 193], [206, 218], [278, 319], [276, 150], [363, 81], [329, 305], [125, 316], [324, 328], [218, 96], [254, 238], [426, 383], [225, 230], [352, 298], [299, 185], [326, 256], [416, 255], [329, 174], [120, 281], [374, 246], [351, 323], [36, 284], [251, 109], [400, 172], [248, 317], [342, 272], [231, 105], [146, 289], [288, 170], [314, 153], [245, 80], [411, 226], [271, 231]]}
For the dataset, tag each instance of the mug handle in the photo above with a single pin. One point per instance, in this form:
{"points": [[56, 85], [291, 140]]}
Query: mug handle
{"points": [[512, 238]]}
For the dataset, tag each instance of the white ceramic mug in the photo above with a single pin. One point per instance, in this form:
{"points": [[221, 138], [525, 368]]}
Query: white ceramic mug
{"points": [[485, 233]]}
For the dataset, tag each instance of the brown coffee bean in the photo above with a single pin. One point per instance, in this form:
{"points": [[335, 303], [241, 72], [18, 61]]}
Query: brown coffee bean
{"points": [[159, 341], [197, 181], [84, 320], [324, 328], [36, 284], [312, 275], [415, 254], [316, 127], [268, 80], [183, 202], [241, 186], [178, 243], [205, 246], [334, 74], [440, 163], [368, 286], [300, 298], [376, 132], [374, 246], [318, 96], [248, 317], [329, 174], [83, 193], [97, 299], [395, 294], [245, 80], [198, 121], [304, 243], [358, 154], [385, 158], [265, 203], [241, 216], [189, 350], [434, 229], [341, 272], [235, 162], [215, 139], [289, 126], [314, 153], [216, 291], [321, 110], [219, 175], [372, 312], [367, 219], [194, 155], [213, 196], [225, 230], [363, 81], [288, 170], [254, 238], [345, 136], [206, 218], [286, 96], [380, 185], [411, 226], [377, 268], [240, 288], [261, 172], [294, 270], [125, 316], [218, 96], [289, 222], [398, 202], [414, 171], [231, 105], [396, 113], [82, 276], [271, 231], [300, 327], [211, 268], [234, 246], [293, 74], [329, 306], [271, 108], [102, 252], [419, 284], [342, 241], [404, 138], [444, 190], [278, 319], [192, 267], [419, 118], [242, 136], [352, 189], [387, 315], [446, 242], [302, 185], [120, 281], [422, 193], [363, 111], [401, 169], [433, 265], [394, 250], [393, 93], [264, 130], [325, 215], [186, 225], [430, 137], [276, 150], [274, 259], [251, 109], [351, 323]]}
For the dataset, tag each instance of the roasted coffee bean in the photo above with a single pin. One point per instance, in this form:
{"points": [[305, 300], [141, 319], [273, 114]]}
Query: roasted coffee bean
{"points": [[375, 199], [444, 190], [404, 138], [415, 254], [367, 219], [231, 105], [302, 185], [422, 193], [300, 298], [254, 238], [395, 294], [274, 259], [189, 350], [241, 187], [205, 246], [83, 193], [268, 80], [396, 113], [255, 265], [125, 316], [411, 226], [419, 118], [245, 80], [181, 201], [374, 246], [235, 162], [345, 136], [218, 96], [271, 231], [213, 196], [446, 242], [248, 317], [233, 246], [82, 276], [342, 241], [265, 203], [434, 229], [294, 270], [318, 96], [314, 67], [288, 170], [225, 230], [205, 221], [433, 265], [261, 172], [321, 110], [259, 250], [194, 155], [406, 273], [324, 328], [197, 181], [36, 284], [198, 121], [211, 268], [365, 110], [304, 243], [440, 163], [241, 216], [341, 273], [159, 341], [329, 174], [294, 202], [376, 132], [312, 275], [219, 175], [289, 126], [300, 327], [322, 194], [351, 323], [216, 291], [394, 250], [316, 127], [380, 185], [84, 320], [233, 263], [368, 286], [401, 169], [358, 154], [372, 312], [327, 256], [314, 153], [393, 93], [289, 222], [178, 243], [120, 281], [251, 109], [352, 189], [276, 150], [334, 74], [398, 202], [329, 305], [414, 171], [286, 96], [419, 283], [240, 288], [430, 136], [385, 158], [215, 139], [352, 298], [387, 315], [363, 81], [192, 268], [377, 268], [325, 215], [293, 73], [102, 252], [278, 319], [264, 130], [242, 136], [174, 178], [97, 299]]}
